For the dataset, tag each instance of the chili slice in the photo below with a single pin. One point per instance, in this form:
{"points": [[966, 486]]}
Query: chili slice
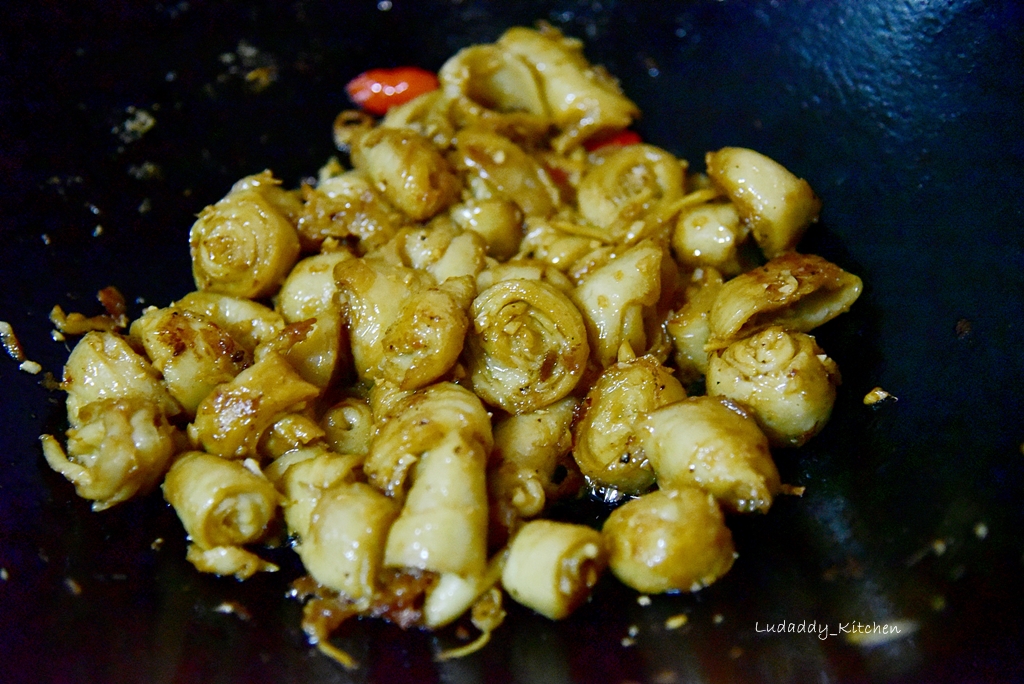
{"points": [[378, 90], [621, 138]]}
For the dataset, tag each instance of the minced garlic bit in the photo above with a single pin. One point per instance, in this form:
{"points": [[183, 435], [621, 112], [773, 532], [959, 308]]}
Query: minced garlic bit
{"points": [[876, 395], [981, 530], [643, 600], [676, 621], [718, 619], [73, 586], [75, 323], [10, 342], [252, 466], [14, 350], [233, 608], [138, 123], [792, 490], [30, 367], [4, 576]]}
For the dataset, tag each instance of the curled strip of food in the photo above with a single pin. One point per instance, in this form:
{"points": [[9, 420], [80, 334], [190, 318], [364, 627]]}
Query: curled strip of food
{"points": [[552, 566], [231, 420], [227, 560], [373, 292], [712, 443], [498, 221], [439, 439], [527, 347], [321, 353], [303, 475], [289, 432], [441, 249], [242, 245], [796, 291], [464, 257], [418, 422], [689, 327], [310, 292], [777, 205], [605, 442], [192, 353], [454, 594], [343, 547], [496, 167], [425, 341], [410, 172], [617, 298], [710, 235], [443, 524], [630, 184], [531, 464], [386, 400], [668, 540], [493, 89], [120, 448], [104, 366], [584, 100], [558, 243], [427, 114], [524, 269], [347, 206], [310, 288], [249, 323], [221, 503], [349, 426], [784, 378], [287, 202]]}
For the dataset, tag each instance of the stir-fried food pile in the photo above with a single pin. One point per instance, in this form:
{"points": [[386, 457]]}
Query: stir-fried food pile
{"points": [[501, 299]]}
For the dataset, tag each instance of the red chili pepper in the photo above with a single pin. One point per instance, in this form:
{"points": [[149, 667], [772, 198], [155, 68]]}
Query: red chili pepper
{"points": [[378, 90], [559, 176], [621, 138]]}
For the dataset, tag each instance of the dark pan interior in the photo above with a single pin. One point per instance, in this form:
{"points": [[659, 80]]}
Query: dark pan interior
{"points": [[906, 118]]}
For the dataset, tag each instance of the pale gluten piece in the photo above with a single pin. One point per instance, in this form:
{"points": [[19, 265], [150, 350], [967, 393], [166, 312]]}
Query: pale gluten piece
{"points": [[606, 443], [223, 506], [713, 444], [552, 566], [784, 378], [669, 540]]}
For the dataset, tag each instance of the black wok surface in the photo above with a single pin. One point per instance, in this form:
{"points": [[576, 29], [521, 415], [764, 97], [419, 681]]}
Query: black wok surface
{"points": [[906, 118]]}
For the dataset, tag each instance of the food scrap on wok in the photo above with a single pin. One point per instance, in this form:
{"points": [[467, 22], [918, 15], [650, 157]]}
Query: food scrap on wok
{"points": [[503, 301]]}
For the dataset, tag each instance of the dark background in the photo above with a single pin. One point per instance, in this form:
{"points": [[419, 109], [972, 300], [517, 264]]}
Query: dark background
{"points": [[906, 118]]}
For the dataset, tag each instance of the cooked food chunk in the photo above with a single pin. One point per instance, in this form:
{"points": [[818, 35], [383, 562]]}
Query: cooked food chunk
{"points": [[711, 443], [552, 566], [784, 379], [668, 540]]}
